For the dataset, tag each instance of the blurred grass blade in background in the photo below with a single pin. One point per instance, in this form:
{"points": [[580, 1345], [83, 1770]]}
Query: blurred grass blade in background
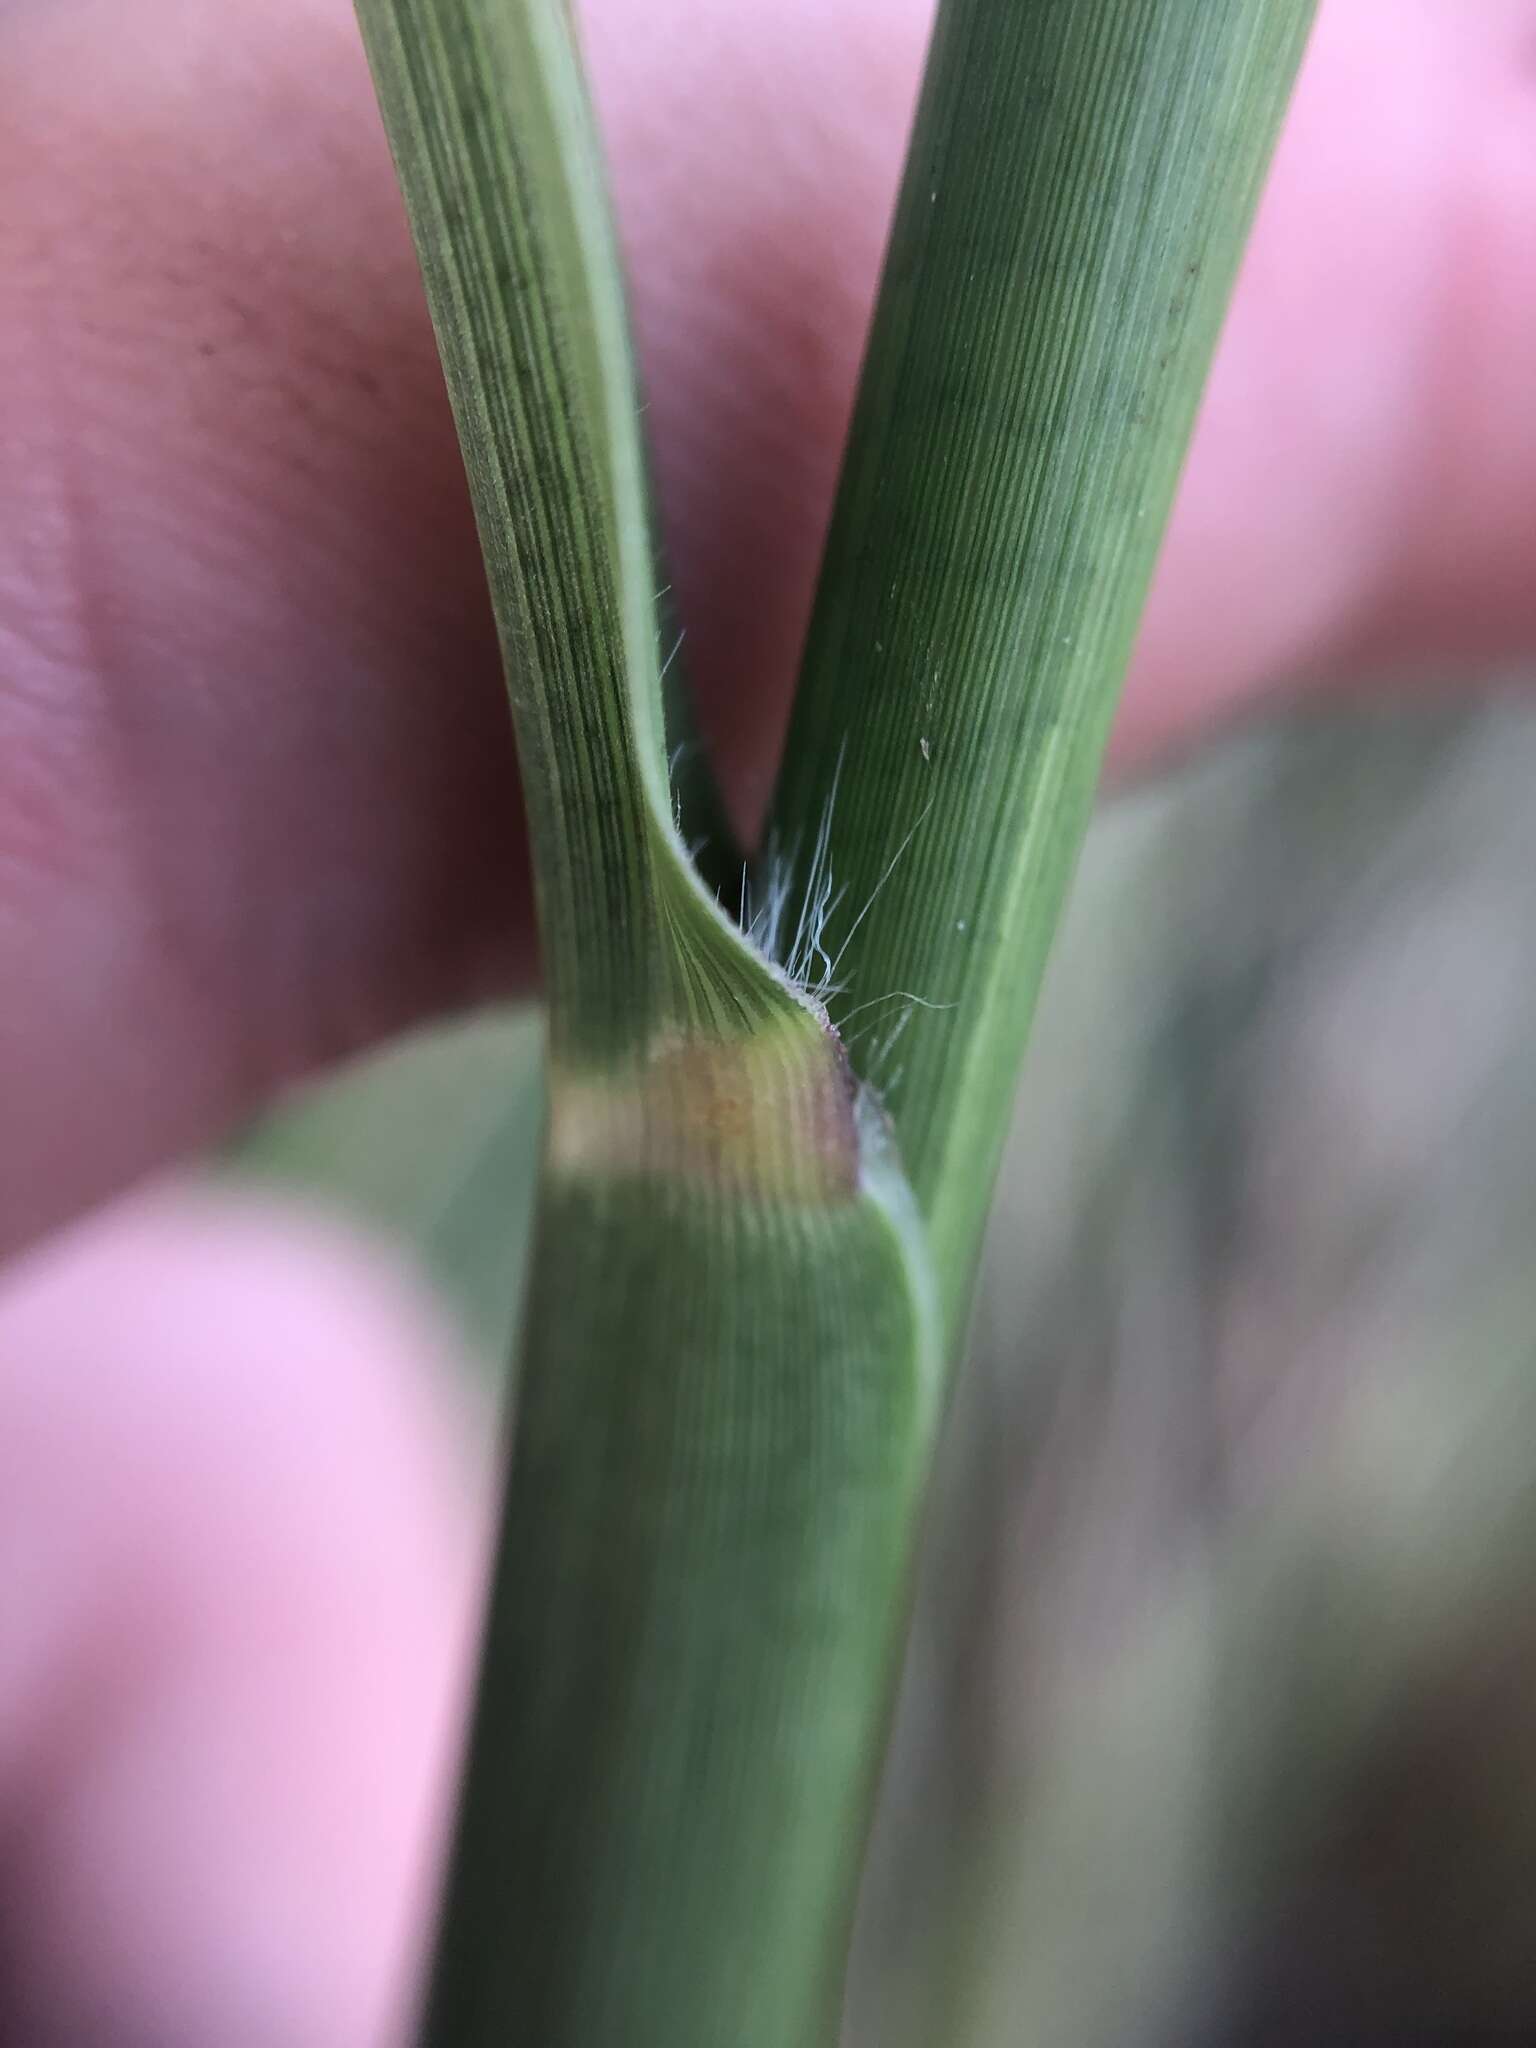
{"points": [[432, 1142], [732, 1340]]}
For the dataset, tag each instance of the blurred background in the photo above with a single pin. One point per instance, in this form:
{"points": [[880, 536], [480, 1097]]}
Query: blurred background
{"points": [[1218, 1718]]}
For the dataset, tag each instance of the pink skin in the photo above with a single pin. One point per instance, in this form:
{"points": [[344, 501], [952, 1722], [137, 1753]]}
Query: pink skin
{"points": [[238, 1535], [254, 808]]}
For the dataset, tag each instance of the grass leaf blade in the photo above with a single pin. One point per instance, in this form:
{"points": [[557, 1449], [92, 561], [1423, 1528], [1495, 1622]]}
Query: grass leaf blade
{"points": [[1077, 193]]}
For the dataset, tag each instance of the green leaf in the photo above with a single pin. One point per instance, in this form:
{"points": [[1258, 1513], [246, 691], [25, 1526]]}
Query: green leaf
{"points": [[1078, 190], [727, 1397], [729, 1392], [488, 120]]}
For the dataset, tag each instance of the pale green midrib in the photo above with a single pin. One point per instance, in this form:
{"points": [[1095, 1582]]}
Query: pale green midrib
{"points": [[954, 494], [633, 943]]}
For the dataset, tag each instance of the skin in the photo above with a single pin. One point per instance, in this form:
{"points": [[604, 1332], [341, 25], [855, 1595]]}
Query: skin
{"points": [[257, 807]]}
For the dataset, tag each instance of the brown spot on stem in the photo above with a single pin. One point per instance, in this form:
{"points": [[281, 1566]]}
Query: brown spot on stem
{"points": [[769, 1117]]}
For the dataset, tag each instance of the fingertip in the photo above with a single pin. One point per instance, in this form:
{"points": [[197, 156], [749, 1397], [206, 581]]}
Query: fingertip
{"points": [[1360, 497], [241, 1518]]}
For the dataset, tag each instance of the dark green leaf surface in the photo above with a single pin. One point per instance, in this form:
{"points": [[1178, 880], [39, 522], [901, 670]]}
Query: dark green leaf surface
{"points": [[489, 124], [1078, 190]]}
